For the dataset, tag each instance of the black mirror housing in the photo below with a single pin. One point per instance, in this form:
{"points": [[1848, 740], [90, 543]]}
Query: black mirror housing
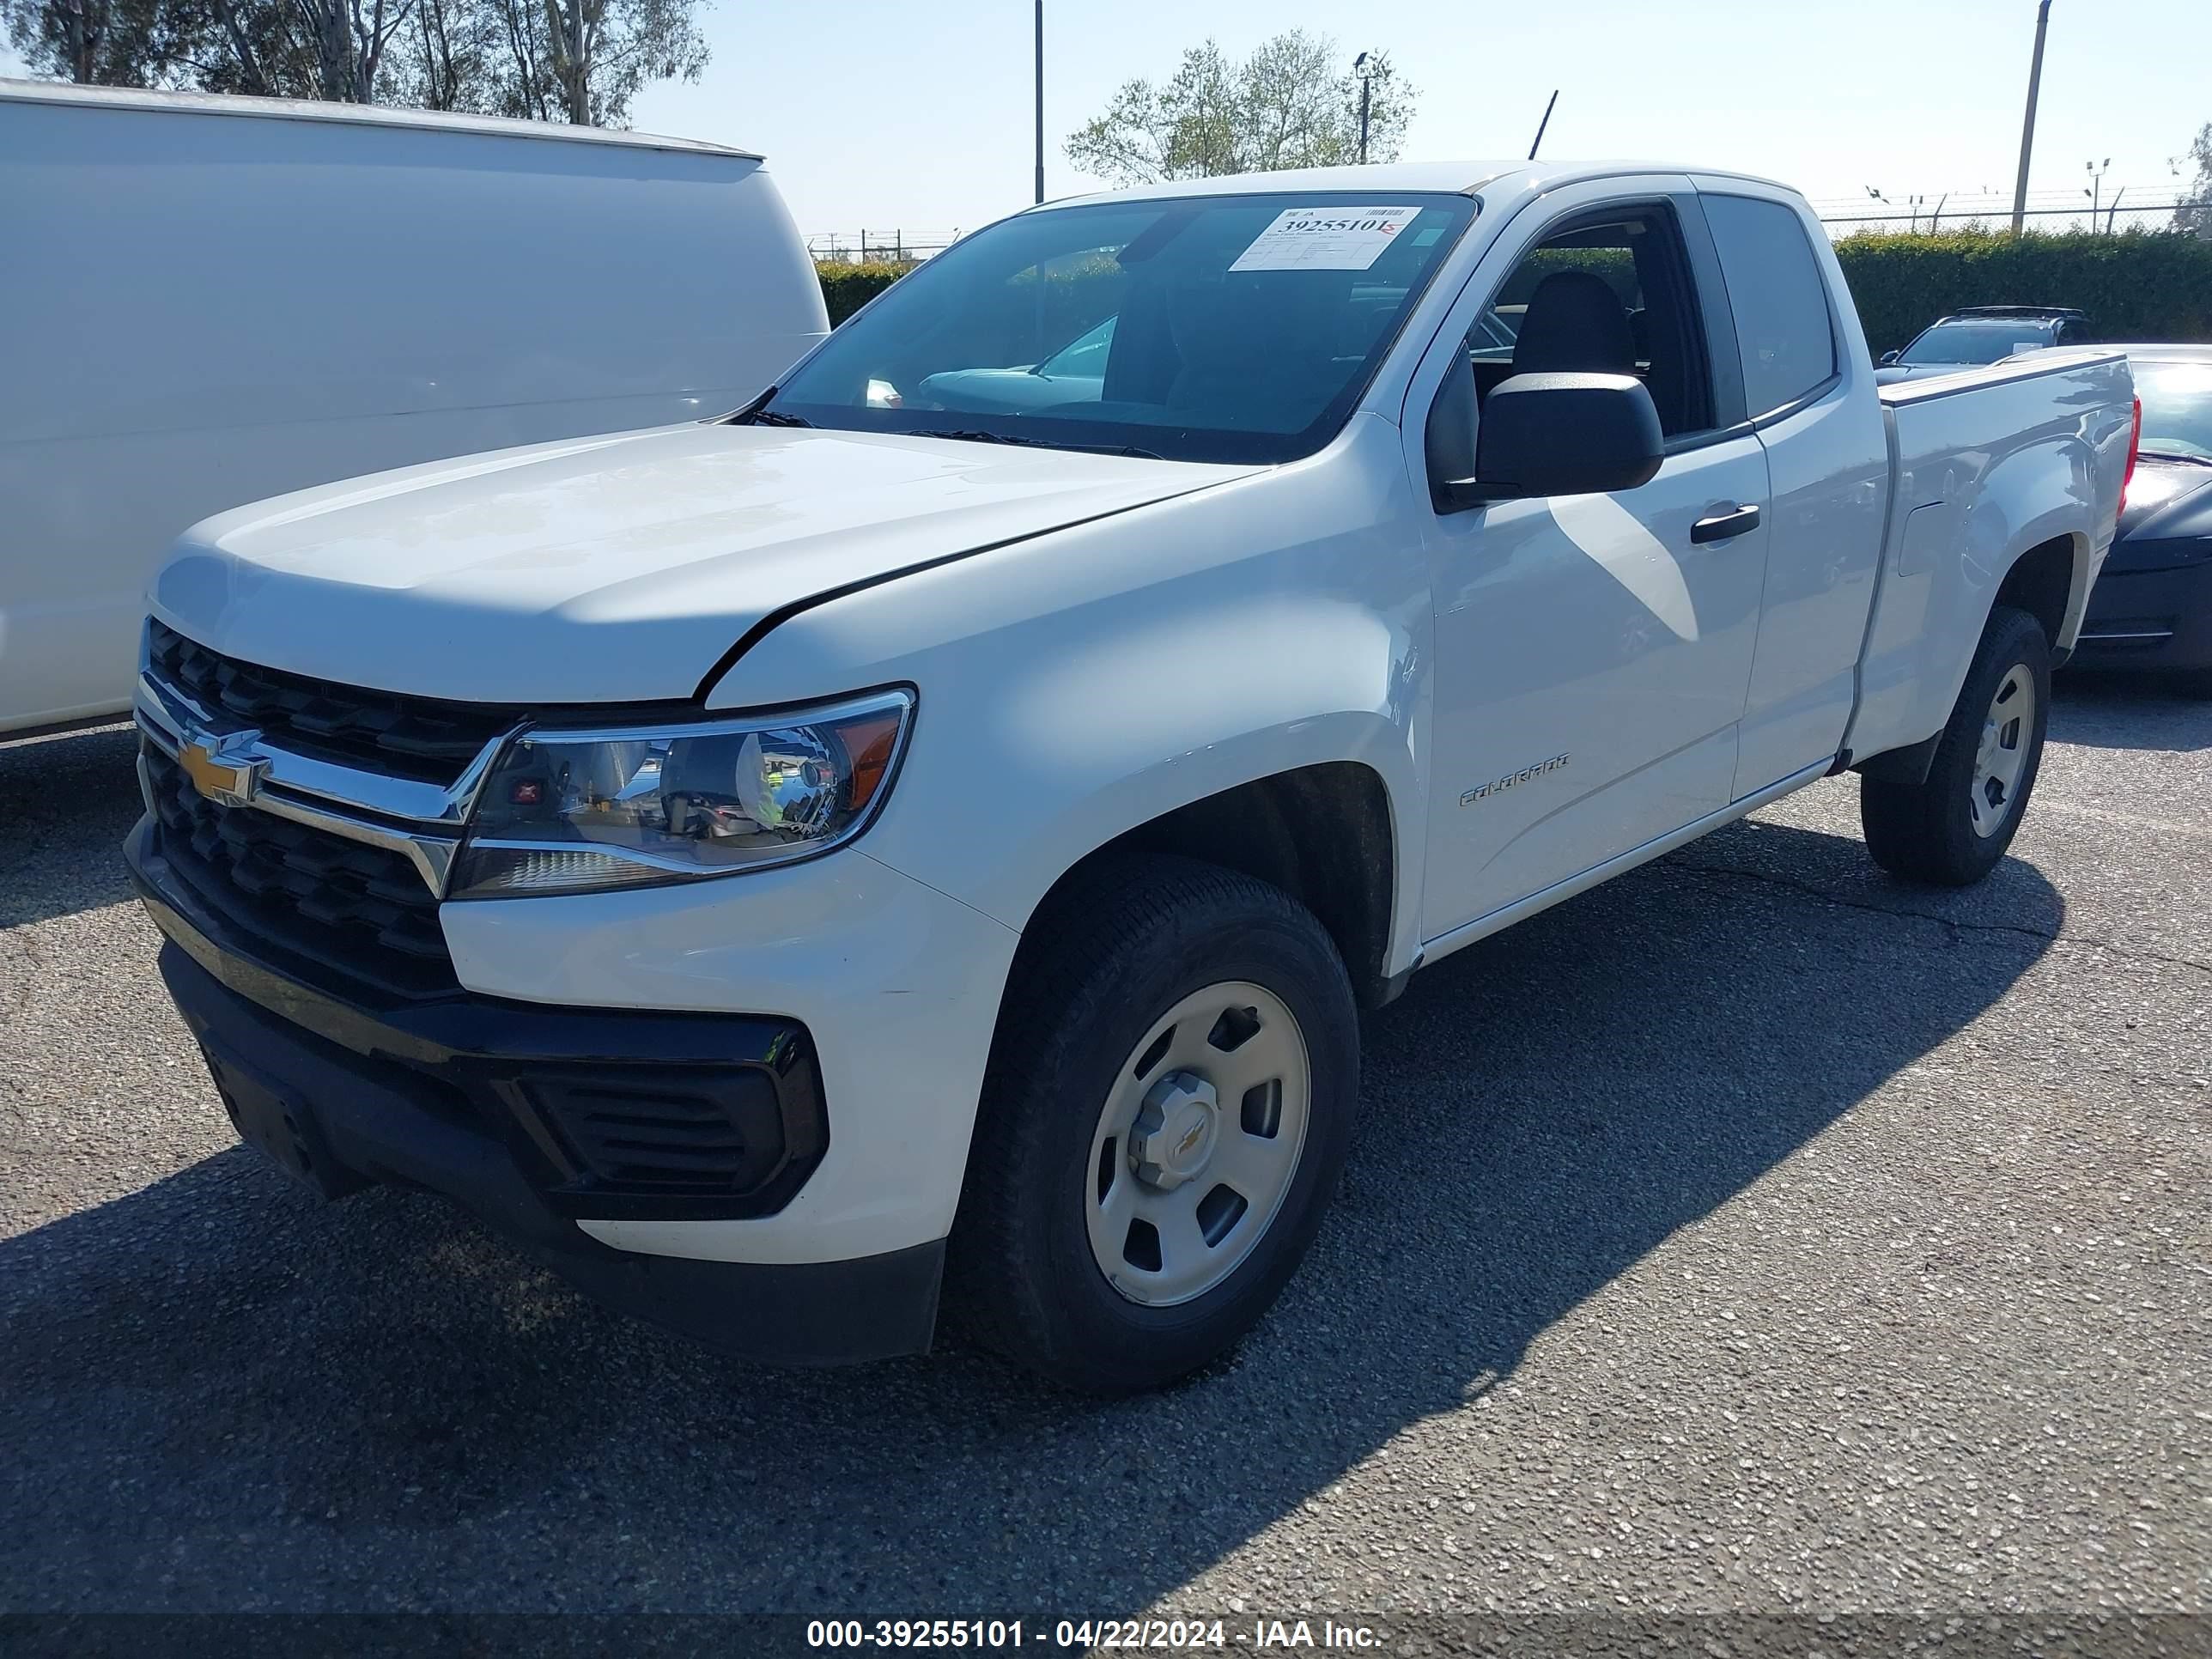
{"points": [[1448, 442], [1565, 435]]}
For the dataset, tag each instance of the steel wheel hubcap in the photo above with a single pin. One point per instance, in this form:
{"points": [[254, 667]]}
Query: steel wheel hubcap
{"points": [[1198, 1144], [2000, 760]]}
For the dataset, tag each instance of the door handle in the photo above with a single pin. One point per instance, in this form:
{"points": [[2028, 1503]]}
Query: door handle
{"points": [[1723, 526]]}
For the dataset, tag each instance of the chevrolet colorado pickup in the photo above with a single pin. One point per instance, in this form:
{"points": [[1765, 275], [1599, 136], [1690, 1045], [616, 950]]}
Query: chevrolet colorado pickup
{"points": [[783, 867]]}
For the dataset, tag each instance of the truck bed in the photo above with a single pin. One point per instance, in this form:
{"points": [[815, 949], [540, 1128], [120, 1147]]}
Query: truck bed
{"points": [[1972, 480]]}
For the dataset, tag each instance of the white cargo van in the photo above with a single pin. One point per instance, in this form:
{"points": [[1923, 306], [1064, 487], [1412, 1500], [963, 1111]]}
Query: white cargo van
{"points": [[215, 299]]}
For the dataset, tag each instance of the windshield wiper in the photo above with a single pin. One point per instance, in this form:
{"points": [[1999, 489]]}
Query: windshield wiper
{"points": [[775, 418], [962, 434], [2174, 455]]}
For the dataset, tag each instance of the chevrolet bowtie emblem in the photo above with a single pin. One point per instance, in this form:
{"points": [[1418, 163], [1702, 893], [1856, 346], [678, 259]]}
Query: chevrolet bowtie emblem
{"points": [[224, 770]]}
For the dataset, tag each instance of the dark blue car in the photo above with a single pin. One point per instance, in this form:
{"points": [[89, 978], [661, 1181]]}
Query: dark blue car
{"points": [[2152, 607]]}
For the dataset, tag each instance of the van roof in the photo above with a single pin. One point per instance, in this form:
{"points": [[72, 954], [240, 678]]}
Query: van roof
{"points": [[370, 115]]}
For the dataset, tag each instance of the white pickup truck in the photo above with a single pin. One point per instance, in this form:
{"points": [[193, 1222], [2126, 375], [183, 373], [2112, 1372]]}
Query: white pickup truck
{"points": [[781, 866]]}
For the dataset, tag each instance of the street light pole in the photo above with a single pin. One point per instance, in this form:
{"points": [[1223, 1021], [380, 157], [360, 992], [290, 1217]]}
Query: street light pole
{"points": [[2028, 124], [1359, 67], [1040, 99]]}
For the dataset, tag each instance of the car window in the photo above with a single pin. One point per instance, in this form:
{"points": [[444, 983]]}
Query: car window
{"points": [[1605, 292], [1781, 304], [2177, 407], [1974, 342], [1086, 356], [1242, 327]]}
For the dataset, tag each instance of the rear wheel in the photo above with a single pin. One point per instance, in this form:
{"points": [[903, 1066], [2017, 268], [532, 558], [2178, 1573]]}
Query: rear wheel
{"points": [[1952, 827], [1166, 1116]]}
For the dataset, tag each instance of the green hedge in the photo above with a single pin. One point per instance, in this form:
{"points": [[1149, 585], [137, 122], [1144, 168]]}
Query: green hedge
{"points": [[846, 288], [2139, 285]]}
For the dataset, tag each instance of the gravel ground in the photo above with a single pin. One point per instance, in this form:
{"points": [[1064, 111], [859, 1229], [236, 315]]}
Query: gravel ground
{"points": [[1752, 1233]]}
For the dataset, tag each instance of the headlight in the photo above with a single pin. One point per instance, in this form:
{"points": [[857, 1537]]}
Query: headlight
{"points": [[585, 810]]}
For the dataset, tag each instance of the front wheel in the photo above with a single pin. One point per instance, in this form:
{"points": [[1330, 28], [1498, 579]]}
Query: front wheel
{"points": [[1166, 1114], [1952, 827]]}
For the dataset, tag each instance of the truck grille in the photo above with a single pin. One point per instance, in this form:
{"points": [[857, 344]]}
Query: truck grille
{"points": [[418, 737], [357, 912]]}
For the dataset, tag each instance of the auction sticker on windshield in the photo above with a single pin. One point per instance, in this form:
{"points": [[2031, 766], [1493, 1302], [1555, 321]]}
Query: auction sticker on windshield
{"points": [[1325, 239]]}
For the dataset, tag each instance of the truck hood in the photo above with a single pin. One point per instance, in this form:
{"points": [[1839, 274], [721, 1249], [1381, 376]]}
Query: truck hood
{"points": [[611, 569]]}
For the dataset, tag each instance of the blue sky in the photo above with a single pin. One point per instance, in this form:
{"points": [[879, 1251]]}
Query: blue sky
{"points": [[884, 114]]}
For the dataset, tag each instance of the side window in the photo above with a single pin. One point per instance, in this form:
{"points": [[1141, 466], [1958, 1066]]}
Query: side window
{"points": [[1605, 292], [1781, 305]]}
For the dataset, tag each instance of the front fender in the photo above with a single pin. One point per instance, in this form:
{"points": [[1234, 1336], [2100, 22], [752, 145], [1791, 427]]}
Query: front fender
{"points": [[1080, 684]]}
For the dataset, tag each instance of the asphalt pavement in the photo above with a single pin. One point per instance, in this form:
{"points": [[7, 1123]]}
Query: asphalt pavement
{"points": [[1752, 1233]]}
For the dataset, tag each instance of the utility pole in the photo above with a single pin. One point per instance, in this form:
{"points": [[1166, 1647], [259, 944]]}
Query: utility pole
{"points": [[2028, 124], [1040, 97], [1360, 67]]}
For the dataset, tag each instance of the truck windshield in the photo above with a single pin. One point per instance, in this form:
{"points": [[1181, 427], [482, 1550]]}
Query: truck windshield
{"points": [[1975, 343], [1205, 328]]}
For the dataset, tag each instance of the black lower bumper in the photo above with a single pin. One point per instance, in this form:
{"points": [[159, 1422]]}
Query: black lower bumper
{"points": [[2148, 619], [489, 1103]]}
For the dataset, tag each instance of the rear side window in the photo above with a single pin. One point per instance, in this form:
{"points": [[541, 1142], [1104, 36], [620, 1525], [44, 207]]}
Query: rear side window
{"points": [[1781, 305]]}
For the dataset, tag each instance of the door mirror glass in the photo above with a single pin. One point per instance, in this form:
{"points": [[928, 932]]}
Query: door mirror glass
{"points": [[1566, 435]]}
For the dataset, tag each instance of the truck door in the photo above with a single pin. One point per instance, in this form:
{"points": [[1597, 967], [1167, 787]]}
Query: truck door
{"points": [[1593, 652], [1811, 402]]}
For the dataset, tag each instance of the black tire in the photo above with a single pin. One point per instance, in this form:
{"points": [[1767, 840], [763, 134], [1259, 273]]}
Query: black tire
{"points": [[1924, 831], [1109, 959]]}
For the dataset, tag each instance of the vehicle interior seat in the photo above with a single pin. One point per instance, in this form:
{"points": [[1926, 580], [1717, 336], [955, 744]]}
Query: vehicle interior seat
{"points": [[1576, 325]]}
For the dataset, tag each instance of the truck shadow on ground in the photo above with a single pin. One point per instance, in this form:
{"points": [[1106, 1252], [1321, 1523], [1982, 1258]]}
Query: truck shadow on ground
{"points": [[222, 1394]]}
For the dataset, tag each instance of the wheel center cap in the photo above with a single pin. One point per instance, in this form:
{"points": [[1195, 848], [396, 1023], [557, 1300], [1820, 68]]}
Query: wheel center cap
{"points": [[1173, 1138]]}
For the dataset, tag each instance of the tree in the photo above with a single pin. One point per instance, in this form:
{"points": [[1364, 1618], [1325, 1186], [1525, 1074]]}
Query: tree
{"points": [[2196, 213], [449, 58], [580, 61], [334, 49], [1286, 106], [116, 43]]}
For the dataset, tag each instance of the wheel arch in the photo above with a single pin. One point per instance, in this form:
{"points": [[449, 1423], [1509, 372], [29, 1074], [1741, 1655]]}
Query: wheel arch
{"points": [[1324, 833], [2050, 580]]}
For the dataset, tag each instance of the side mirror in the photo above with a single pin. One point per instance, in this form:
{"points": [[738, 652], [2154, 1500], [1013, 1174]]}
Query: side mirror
{"points": [[1448, 443], [1563, 434], [1890, 356]]}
